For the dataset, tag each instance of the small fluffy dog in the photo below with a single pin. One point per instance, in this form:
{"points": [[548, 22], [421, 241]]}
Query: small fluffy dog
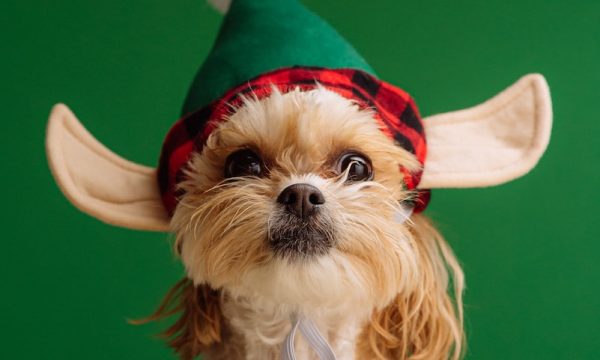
{"points": [[294, 205]]}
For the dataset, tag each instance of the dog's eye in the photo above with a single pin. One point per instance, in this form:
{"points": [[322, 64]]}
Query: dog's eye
{"points": [[243, 163], [358, 166]]}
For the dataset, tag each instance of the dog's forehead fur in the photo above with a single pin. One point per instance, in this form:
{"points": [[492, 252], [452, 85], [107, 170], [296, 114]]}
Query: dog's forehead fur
{"points": [[302, 131]]}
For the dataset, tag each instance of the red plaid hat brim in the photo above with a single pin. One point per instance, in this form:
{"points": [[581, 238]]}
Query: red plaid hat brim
{"points": [[393, 108]]}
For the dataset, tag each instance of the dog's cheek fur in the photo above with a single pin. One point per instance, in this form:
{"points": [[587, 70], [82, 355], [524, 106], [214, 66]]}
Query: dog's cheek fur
{"points": [[375, 244], [221, 232], [426, 323]]}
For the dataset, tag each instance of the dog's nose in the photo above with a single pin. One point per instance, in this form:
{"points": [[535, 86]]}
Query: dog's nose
{"points": [[301, 199]]}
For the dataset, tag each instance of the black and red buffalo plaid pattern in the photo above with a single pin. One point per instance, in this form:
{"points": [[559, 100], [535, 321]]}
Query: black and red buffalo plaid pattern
{"points": [[394, 109]]}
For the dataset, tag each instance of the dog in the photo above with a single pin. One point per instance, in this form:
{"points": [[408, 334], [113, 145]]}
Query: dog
{"points": [[292, 207]]}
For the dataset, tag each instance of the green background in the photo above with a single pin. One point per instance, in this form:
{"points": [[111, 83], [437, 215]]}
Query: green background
{"points": [[530, 248]]}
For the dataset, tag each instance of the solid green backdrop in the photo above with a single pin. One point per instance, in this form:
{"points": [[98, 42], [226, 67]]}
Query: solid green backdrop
{"points": [[530, 248]]}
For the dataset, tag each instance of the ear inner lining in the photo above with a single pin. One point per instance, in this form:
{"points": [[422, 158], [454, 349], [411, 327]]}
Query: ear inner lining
{"points": [[492, 143], [99, 182]]}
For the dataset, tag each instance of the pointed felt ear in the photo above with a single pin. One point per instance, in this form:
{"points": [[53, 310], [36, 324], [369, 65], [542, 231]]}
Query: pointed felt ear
{"points": [[99, 182], [492, 143]]}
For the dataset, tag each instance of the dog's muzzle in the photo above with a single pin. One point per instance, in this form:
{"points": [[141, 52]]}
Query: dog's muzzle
{"points": [[298, 227]]}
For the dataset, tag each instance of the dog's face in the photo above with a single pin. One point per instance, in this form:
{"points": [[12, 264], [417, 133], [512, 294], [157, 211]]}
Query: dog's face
{"points": [[296, 198]]}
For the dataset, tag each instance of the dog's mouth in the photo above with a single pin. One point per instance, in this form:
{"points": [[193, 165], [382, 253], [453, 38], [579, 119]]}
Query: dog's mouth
{"points": [[295, 238]]}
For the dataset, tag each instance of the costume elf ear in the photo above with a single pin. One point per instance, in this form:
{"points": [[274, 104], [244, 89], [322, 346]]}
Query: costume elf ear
{"points": [[98, 181], [492, 143], [489, 144]]}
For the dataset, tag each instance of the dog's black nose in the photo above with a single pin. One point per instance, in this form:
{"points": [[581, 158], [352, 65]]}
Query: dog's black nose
{"points": [[301, 199]]}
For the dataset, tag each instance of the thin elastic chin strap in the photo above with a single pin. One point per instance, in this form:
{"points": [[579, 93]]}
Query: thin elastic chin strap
{"points": [[311, 334]]}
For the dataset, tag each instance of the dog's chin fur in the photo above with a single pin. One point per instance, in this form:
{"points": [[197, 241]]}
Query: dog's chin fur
{"points": [[379, 288]]}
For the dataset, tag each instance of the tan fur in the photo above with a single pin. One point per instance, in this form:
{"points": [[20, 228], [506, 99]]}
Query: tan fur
{"points": [[381, 291], [200, 325], [425, 323]]}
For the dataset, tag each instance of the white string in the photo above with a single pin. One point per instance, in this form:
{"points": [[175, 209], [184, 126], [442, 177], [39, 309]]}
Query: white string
{"points": [[287, 350], [316, 340], [311, 335]]}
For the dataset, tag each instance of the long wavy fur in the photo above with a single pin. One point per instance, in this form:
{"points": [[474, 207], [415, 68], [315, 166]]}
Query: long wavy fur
{"points": [[428, 323], [200, 325]]}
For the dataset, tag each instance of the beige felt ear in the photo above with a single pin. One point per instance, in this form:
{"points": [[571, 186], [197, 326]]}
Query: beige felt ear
{"points": [[492, 143], [99, 182]]}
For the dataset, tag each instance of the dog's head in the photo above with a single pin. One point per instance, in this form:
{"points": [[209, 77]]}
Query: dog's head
{"points": [[298, 198]]}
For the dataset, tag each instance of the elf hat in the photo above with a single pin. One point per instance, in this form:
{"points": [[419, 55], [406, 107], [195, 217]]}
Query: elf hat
{"points": [[278, 42]]}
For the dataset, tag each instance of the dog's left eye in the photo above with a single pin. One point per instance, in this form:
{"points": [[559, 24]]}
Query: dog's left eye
{"points": [[243, 163], [358, 166]]}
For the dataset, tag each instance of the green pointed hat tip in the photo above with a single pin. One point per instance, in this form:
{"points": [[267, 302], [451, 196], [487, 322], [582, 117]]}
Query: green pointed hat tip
{"points": [[258, 36]]}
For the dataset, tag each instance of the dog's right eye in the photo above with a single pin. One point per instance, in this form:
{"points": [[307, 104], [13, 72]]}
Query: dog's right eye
{"points": [[243, 163]]}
